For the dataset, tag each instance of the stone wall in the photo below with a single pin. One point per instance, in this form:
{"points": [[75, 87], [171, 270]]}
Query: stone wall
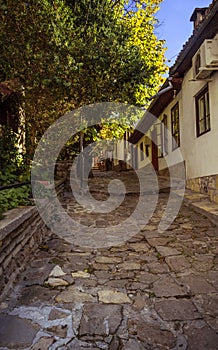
{"points": [[62, 169], [21, 232], [206, 184], [178, 170]]}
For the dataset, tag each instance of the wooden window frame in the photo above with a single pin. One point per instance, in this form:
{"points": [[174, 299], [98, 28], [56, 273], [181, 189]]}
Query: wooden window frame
{"points": [[175, 126], [165, 146], [204, 120], [142, 154]]}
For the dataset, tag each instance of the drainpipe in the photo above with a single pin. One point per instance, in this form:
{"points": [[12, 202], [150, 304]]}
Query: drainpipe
{"points": [[168, 88]]}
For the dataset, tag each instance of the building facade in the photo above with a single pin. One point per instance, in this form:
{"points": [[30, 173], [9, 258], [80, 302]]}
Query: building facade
{"points": [[185, 111]]}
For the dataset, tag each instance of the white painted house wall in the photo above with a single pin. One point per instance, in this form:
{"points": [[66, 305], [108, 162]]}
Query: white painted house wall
{"points": [[174, 156], [200, 153]]}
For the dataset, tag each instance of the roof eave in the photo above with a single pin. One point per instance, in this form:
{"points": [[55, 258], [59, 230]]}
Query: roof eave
{"points": [[207, 30]]}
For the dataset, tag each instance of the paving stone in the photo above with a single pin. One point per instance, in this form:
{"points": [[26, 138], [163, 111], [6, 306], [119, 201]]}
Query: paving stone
{"points": [[34, 276], [76, 262], [207, 304], [173, 309], [150, 228], [146, 277], [141, 300], [119, 249], [134, 286], [57, 314], [212, 322], [167, 287], [152, 334], [59, 245], [43, 344], [127, 276], [57, 272], [59, 330], [100, 319], [178, 263], [73, 295], [98, 266], [133, 344], [212, 277], [102, 275], [56, 282], [156, 267], [203, 262], [114, 344], [123, 274], [196, 284], [166, 251], [186, 226], [139, 247], [201, 338], [129, 265], [81, 274], [158, 241], [15, 332], [113, 297], [85, 282], [76, 344], [35, 295], [117, 283], [107, 260]]}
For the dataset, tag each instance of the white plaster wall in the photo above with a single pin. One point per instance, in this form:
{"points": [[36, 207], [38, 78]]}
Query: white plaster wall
{"points": [[119, 152], [174, 156], [200, 153], [146, 160]]}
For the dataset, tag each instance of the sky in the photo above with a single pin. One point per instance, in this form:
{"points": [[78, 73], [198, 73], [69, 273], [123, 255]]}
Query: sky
{"points": [[175, 26]]}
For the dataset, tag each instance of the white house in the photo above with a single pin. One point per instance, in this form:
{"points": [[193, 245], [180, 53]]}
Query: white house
{"points": [[187, 105]]}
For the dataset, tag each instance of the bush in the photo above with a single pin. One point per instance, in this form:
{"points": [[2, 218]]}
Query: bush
{"points": [[12, 198], [12, 170]]}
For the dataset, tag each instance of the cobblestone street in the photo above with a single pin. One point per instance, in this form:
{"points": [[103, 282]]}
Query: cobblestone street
{"points": [[154, 290]]}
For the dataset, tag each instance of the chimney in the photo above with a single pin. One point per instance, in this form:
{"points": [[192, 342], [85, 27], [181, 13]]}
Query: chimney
{"points": [[198, 16]]}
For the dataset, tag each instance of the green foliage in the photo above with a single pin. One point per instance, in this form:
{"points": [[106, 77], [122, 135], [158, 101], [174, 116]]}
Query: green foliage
{"points": [[12, 170], [12, 198], [64, 54]]}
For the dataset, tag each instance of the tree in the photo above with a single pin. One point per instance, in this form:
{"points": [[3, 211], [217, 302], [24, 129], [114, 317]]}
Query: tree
{"points": [[64, 54]]}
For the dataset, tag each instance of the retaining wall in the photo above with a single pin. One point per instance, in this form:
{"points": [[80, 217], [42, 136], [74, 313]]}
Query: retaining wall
{"points": [[21, 232]]}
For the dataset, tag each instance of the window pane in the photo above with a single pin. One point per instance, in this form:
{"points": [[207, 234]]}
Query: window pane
{"points": [[175, 126], [203, 112]]}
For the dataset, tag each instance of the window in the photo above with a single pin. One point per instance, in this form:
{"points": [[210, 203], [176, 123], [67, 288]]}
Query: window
{"points": [[175, 126], [147, 150], [202, 112], [165, 136], [142, 151], [159, 137]]}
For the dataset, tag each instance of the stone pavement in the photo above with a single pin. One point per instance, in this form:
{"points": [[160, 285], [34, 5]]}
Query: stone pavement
{"points": [[155, 290]]}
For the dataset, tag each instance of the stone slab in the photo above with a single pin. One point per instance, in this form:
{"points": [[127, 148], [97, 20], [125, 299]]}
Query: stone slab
{"points": [[201, 338], [177, 263], [167, 287], [176, 309], [15, 332], [152, 334], [73, 295], [113, 297], [196, 284], [100, 319], [167, 251], [207, 305]]}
